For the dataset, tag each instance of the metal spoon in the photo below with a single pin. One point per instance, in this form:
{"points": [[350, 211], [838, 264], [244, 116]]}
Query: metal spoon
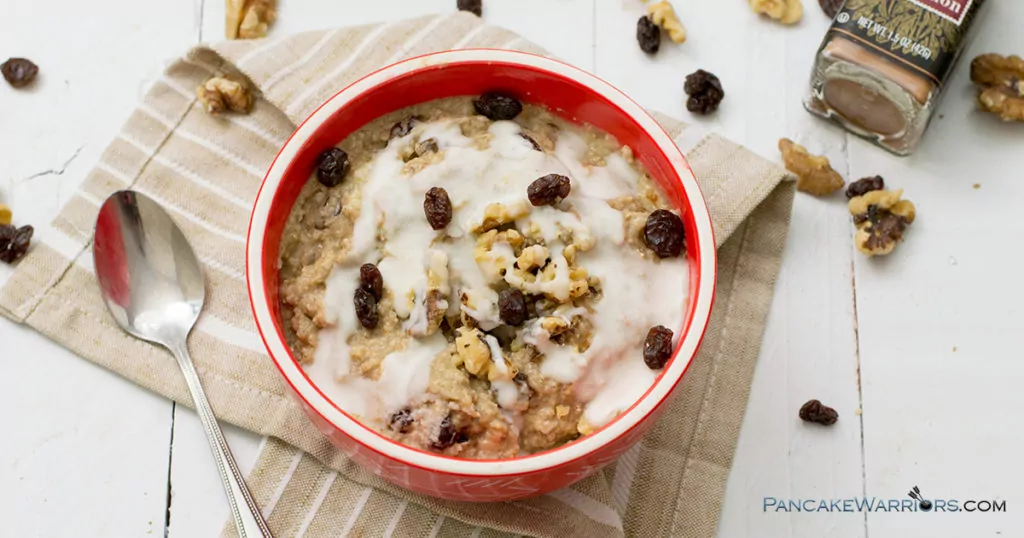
{"points": [[153, 285]]}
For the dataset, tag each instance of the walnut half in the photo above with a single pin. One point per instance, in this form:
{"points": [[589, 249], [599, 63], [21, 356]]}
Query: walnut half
{"points": [[881, 218], [225, 93], [1001, 82]]}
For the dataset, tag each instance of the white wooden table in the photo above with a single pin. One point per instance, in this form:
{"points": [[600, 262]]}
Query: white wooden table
{"points": [[925, 343]]}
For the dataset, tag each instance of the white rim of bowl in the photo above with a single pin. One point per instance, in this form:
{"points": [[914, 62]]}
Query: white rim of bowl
{"points": [[512, 466]]}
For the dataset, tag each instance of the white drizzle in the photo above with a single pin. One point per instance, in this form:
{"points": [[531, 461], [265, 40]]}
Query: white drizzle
{"points": [[638, 293]]}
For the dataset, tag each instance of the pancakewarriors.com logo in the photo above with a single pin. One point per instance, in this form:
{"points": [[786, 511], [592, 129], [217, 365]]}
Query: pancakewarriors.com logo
{"points": [[914, 502]]}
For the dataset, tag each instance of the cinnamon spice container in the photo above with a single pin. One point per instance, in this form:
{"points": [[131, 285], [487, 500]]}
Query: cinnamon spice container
{"points": [[884, 64]]}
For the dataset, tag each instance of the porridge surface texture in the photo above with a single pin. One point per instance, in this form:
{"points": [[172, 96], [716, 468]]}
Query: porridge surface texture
{"points": [[453, 365]]}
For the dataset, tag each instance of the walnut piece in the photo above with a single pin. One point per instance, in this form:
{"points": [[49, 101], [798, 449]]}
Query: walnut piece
{"points": [[784, 11], [881, 218], [814, 174], [435, 300], [662, 14], [1001, 83], [225, 93], [249, 19], [532, 257], [495, 251], [472, 351], [498, 214], [585, 427]]}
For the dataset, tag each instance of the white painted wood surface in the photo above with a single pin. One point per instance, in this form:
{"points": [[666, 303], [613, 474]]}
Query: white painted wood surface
{"points": [[924, 342]]}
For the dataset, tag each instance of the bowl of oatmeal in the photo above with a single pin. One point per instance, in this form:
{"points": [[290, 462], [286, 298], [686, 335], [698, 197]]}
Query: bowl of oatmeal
{"points": [[481, 272]]}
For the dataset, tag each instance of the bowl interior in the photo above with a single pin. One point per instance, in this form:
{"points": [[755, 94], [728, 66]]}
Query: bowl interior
{"points": [[563, 96]]}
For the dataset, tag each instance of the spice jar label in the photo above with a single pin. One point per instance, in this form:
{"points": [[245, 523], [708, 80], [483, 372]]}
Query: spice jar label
{"points": [[952, 10], [923, 35]]}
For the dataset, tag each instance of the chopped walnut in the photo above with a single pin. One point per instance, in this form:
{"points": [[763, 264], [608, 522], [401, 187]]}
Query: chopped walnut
{"points": [[662, 14], [554, 325], [225, 93], [1001, 82], [497, 214], [784, 11], [473, 352], [437, 305], [533, 257], [5, 215], [488, 239], [814, 174], [438, 288], [248, 19], [557, 280], [585, 427], [495, 251], [881, 218]]}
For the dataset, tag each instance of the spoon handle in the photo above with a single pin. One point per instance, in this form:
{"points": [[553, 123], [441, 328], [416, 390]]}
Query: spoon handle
{"points": [[248, 520]]}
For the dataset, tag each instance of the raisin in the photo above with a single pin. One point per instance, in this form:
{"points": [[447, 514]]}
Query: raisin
{"points": [[371, 280], [497, 106], [475, 7], [14, 242], [512, 307], [648, 35], [532, 142], [401, 420], [657, 347], [831, 7], [664, 234], [548, 190], [331, 167], [19, 72], [447, 434], [404, 127], [438, 208], [864, 186], [705, 91], [815, 411], [366, 309]]}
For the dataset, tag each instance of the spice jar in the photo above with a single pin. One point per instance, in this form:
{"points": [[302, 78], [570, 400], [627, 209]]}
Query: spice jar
{"points": [[883, 66]]}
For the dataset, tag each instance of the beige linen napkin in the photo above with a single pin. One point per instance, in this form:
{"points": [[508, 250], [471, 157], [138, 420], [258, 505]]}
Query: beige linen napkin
{"points": [[206, 171]]}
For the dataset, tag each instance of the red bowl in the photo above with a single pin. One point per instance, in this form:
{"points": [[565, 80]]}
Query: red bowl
{"points": [[568, 92]]}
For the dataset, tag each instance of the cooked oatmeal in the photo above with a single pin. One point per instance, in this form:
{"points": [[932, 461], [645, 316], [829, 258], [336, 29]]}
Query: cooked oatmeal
{"points": [[519, 280]]}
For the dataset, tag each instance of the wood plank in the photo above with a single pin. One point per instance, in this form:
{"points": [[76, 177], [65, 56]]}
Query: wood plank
{"points": [[84, 452], [198, 506], [809, 346], [940, 318]]}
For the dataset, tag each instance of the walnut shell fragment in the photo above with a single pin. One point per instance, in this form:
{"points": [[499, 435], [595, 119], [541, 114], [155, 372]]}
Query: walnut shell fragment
{"points": [[1001, 85], [225, 93], [881, 218], [814, 174]]}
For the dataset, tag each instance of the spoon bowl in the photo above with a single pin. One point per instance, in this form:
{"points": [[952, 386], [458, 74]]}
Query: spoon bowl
{"points": [[149, 275], [153, 285]]}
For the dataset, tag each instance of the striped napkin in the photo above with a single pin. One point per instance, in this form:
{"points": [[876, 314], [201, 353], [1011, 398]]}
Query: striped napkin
{"points": [[206, 170]]}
